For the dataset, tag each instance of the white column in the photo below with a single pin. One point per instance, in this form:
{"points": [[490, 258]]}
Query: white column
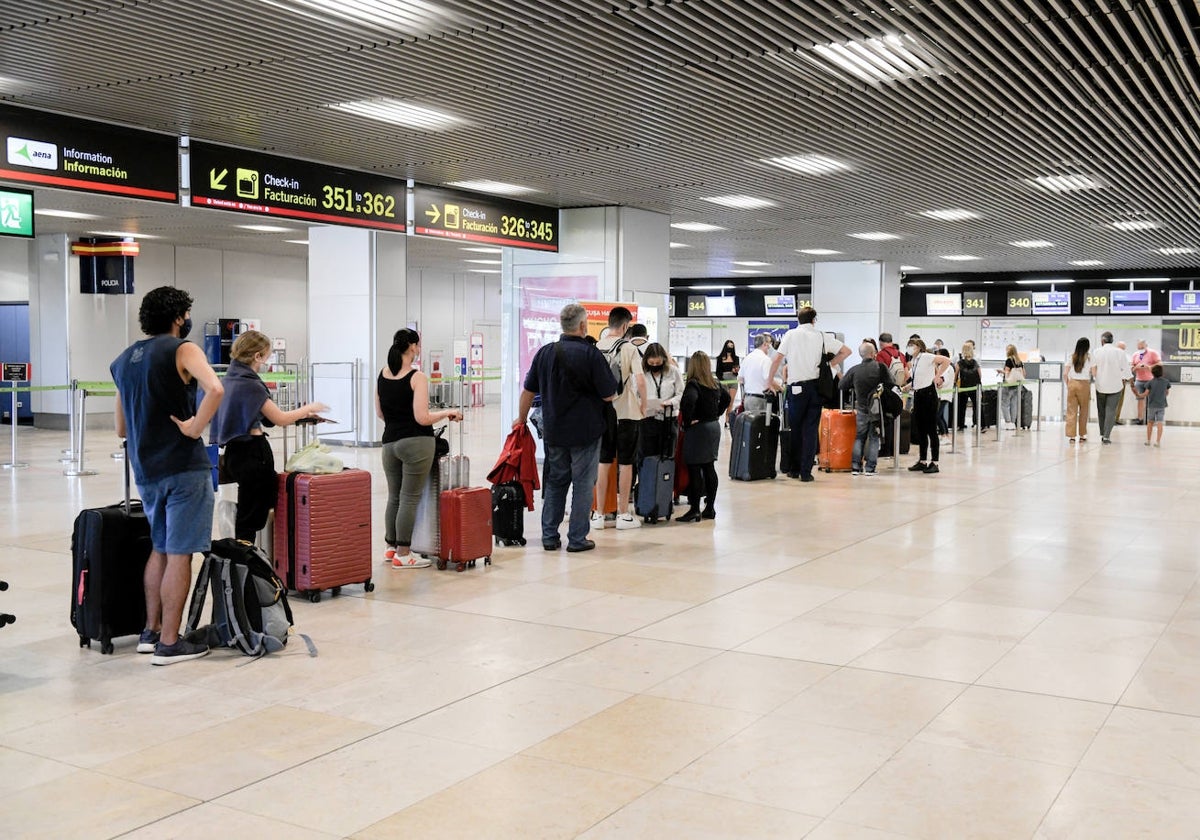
{"points": [[849, 299]]}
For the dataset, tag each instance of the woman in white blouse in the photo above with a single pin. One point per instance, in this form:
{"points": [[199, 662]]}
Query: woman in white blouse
{"points": [[1078, 376], [923, 370]]}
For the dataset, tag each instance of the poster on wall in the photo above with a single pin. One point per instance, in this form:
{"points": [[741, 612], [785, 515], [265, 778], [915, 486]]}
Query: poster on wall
{"points": [[996, 334], [542, 299], [598, 311], [775, 328], [1181, 341]]}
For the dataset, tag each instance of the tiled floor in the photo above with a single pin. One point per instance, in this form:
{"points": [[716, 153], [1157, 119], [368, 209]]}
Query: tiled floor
{"points": [[1010, 649]]}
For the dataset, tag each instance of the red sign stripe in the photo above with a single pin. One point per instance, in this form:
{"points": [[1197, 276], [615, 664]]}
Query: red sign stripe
{"points": [[90, 186], [478, 237], [220, 204]]}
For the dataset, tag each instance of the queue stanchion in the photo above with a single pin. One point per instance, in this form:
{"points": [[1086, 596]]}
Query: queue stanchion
{"points": [[953, 424], [977, 410], [68, 454], [13, 463], [76, 467], [896, 440], [999, 416]]}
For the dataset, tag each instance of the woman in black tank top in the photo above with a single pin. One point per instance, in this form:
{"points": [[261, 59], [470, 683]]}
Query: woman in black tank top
{"points": [[402, 402]]}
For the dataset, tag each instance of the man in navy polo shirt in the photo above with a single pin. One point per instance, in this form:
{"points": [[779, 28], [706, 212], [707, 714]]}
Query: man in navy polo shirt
{"points": [[574, 381]]}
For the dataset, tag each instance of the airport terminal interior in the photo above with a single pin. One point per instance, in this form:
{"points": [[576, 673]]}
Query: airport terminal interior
{"points": [[1007, 649]]}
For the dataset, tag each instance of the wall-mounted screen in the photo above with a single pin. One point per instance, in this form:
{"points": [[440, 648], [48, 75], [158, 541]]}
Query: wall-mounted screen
{"points": [[1130, 302], [779, 305], [721, 307], [974, 303], [1051, 303], [946, 304], [1185, 302]]}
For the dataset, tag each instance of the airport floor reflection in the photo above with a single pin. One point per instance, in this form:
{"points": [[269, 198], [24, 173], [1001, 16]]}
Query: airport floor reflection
{"points": [[1008, 649]]}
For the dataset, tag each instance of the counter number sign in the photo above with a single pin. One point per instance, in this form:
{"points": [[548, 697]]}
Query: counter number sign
{"points": [[1020, 303], [974, 303], [1095, 302], [454, 214]]}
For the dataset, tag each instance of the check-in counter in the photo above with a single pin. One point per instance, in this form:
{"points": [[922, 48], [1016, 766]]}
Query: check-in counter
{"points": [[1184, 401]]}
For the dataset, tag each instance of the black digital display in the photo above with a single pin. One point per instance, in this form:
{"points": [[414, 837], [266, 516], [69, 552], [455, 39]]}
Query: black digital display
{"points": [[469, 217]]}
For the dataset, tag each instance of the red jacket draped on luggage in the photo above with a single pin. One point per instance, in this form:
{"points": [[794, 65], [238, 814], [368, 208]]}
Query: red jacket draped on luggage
{"points": [[518, 462]]}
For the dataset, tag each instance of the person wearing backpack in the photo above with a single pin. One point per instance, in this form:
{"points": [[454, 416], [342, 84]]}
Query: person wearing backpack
{"points": [[968, 377], [620, 439], [863, 380]]}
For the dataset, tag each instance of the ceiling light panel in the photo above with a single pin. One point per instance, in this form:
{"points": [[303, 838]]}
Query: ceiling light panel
{"points": [[64, 214], [950, 215], [1177, 251], [409, 17], [696, 227], [877, 60], [482, 250], [1135, 224], [1032, 243], [1065, 183], [959, 257], [818, 252], [122, 234], [399, 112], [745, 271], [679, 245], [808, 164], [494, 187], [750, 263], [874, 236], [1087, 262], [739, 202]]}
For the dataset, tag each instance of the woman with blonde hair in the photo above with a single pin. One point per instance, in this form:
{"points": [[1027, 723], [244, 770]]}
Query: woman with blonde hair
{"points": [[969, 378], [1014, 372], [703, 403], [238, 426]]}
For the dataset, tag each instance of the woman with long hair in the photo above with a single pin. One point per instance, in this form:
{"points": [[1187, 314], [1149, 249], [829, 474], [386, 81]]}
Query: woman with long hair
{"points": [[1014, 371], [238, 426], [970, 378], [1078, 376], [703, 403], [664, 392], [728, 366], [924, 370], [402, 402]]}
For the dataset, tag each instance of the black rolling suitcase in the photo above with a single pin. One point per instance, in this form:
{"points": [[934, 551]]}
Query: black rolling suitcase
{"points": [[1026, 408], [754, 451], [885, 439], [109, 550], [508, 513], [988, 409]]}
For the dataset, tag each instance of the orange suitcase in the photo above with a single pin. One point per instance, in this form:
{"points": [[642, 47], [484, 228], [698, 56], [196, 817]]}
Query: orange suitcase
{"points": [[836, 440], [610, 498]]}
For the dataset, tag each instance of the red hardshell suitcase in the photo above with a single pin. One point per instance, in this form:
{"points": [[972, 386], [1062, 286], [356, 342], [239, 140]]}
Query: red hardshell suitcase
{"points": [[466, 527], [323, 531]]}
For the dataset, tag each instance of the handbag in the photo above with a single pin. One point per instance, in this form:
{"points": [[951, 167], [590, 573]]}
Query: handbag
{"points": [[826, 387], [1014, 374]]}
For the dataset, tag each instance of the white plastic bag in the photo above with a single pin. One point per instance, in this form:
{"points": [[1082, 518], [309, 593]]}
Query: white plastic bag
{"points": [[314, 458]]}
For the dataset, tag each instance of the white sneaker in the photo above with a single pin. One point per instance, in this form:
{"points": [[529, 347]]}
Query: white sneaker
{"points": [[628, 522], [597, 521], [410, 561]]}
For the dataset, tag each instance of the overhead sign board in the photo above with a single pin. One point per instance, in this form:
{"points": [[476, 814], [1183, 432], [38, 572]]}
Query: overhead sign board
{"points": [[943, 304], [16, 213], [697, 305], [1051, 303], [974, 303], [1019, 303], [1131, 302], [72, 154], [1185, 302], [1095, 301], [228, 178], [468, 217]]}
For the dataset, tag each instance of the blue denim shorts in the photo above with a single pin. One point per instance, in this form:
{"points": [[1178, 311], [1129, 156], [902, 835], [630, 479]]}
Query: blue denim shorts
{"points": [[1156, 415], [180, 510]]}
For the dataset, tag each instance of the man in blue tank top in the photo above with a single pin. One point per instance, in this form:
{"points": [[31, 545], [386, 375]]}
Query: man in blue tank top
{"points": [[156, 412]]}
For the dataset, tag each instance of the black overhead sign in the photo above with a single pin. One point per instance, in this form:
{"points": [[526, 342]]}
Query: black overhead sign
{"points": [[54, 151], [228, 178], [469, 217]]}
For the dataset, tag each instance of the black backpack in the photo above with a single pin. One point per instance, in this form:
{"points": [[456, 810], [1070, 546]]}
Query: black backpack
{"points": [[250, 610]]}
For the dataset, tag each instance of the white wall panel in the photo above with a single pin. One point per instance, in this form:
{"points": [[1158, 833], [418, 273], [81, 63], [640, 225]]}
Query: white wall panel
{"points": [[14, 269]]}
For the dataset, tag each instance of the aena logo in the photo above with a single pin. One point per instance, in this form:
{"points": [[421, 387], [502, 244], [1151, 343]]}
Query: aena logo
{"points": [[22, 152]]}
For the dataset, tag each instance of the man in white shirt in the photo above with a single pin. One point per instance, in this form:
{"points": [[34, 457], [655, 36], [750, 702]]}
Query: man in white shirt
{"points": [[803, 349], [1110, 369], [753, 376]]}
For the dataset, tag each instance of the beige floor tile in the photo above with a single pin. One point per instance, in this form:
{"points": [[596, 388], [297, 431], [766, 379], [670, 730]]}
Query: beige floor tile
{"points": [[264, 742], [20, 770], [611, 576], [363, 783], [1025, 593], [85, 805], [983, 619], [921, 583], [786, 599], [688, 585], [712, 625], [516, 714], [518, 798], [1063, 672], [870, 701], [1154, 746], [832, 830], [742, 681], [627, 664], [528, 601], [207, 820], [1093, 634], [1054, 730], [933, 791], [520, 646], [669, 735], [1100, 806], [838, 572], [833, 643], [698, 816], [1169, 679], [935, 653], [788, 763], [887, 603], [615, 614]]}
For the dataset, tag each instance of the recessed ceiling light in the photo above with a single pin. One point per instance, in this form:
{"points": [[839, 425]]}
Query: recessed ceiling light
{"points": [[1176, 251], [496, 187], [267, 228], [483, 250], [874, 236], [910, 268], [771, 286], [935, 283], [398, 112], [1135, 224], [296, 241], [484, 270], [808, 164], [124, 234], [1032, 243], [1140, 280], [1051, 282], [696, 227], [959, 257], [817, 252], [751, 263], [406, 16], [879, 59], [950, 215], [710, 288], [64, 214], [739, 202], [679, 245], [485, 262], [1065, 183], [1087, 262], [745, 271]]}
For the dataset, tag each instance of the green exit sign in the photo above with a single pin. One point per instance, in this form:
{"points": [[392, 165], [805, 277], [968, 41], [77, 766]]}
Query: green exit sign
{"points": [[16, 212]]}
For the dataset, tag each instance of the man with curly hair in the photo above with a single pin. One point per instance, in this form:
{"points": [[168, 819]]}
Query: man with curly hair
{"points": [[156, 412]]}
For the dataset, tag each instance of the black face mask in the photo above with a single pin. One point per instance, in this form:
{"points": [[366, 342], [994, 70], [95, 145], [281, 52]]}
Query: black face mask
{"points": [[186, 328]]}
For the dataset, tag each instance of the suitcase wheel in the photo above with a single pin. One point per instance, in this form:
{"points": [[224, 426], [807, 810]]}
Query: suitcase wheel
{"points": [[368, 586], [314, 596], [458, 567], [441, 564], [84, 641], [487, 561], [336, 591], [105, 647]]}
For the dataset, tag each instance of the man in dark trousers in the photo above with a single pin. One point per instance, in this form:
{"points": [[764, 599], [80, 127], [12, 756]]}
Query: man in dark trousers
{"points": [[156, 412], [803, 348], [575, 382]]}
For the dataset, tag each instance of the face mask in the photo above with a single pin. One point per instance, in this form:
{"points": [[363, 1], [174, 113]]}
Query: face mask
{"points": [[654, 367], [912, 351], [186, 328]]}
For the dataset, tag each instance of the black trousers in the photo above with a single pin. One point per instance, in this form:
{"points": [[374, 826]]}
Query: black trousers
{"points": [[251, 464], [964, 398], [702, 481]]}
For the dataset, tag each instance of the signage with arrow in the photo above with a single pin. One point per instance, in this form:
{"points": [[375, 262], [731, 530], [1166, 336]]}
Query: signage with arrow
{"points": [[470, 217], [216, 180]]}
